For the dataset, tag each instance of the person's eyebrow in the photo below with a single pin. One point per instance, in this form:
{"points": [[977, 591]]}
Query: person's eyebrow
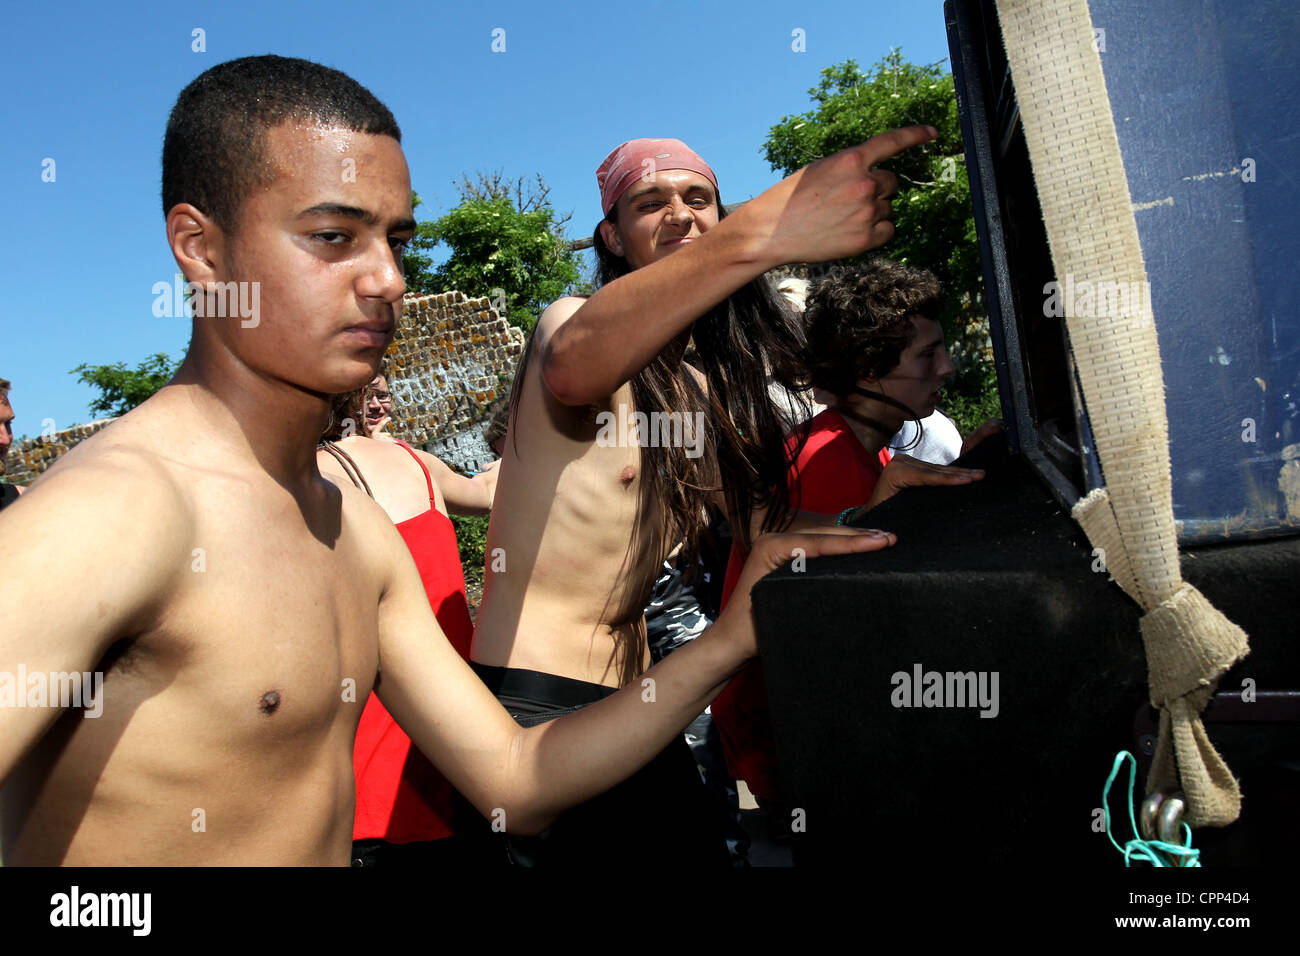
{"points": [[354, 212], [652, 188], [655, 187], [934, 344]]}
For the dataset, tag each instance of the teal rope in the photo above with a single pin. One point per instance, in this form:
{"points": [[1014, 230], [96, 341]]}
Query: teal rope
{"points": [[1149, 851]]}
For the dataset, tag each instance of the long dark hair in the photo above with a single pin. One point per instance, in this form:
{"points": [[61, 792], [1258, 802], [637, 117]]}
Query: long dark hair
{"points": [[736, 345]]}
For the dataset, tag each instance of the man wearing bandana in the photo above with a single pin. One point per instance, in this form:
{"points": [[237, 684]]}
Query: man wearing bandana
{"points": [[683, 332]]}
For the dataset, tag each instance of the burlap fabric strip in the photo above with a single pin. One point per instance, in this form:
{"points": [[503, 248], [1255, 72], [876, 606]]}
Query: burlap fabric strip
{"points": [[1079, 174]]}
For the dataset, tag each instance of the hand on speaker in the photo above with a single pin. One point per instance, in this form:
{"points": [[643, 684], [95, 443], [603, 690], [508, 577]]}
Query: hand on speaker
{"points": [[771, 551], [904, 471]]}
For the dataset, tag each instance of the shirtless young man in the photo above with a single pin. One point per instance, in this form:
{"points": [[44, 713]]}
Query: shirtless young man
{"points": [[561, 615], [238, 606]]}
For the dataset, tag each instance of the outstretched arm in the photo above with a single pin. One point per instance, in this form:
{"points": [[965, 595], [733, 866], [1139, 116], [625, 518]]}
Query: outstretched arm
{"points": [[531, 775], [464, 495], [836, 207]]}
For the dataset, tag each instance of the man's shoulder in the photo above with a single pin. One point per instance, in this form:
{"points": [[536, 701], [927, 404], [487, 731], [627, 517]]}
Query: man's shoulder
{"points": [[112, 466], [557, 313], [552, 319], [103, 504]]}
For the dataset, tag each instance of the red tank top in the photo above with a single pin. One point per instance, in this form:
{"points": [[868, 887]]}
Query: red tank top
{"points": [[401, 796]]}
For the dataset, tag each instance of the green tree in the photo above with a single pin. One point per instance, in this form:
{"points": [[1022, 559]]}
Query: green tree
{"points": [[417, 264], [122, 389], [471, 538], [933, 216], [506, 242]]}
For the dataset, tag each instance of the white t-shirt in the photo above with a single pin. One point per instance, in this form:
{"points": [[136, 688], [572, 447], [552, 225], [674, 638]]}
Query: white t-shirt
{"points": [[940, 440]]}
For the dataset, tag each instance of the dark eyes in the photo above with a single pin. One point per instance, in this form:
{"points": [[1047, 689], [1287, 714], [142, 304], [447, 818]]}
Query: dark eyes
{"points": [[699, 202], [331, 238]]}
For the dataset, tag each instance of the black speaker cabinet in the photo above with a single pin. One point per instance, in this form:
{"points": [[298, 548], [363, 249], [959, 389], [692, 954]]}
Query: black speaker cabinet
{"points": [[960, 698]]}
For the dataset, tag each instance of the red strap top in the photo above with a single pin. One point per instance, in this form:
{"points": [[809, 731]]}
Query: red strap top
{"points": [[401, 796]]}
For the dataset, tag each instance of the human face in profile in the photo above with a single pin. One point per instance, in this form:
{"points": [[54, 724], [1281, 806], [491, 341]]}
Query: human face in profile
{"points": [[923, 369]]}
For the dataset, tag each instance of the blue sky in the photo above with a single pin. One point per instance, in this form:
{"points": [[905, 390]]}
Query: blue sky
{"points": [[90, 87]]}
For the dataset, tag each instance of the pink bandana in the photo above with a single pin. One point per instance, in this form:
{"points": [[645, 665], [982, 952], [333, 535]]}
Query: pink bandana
{"points": [[639, 158]]}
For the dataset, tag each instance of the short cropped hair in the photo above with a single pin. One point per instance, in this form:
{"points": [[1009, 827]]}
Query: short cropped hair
{"points": [[858, 321], [5, 385], [214, 153]]}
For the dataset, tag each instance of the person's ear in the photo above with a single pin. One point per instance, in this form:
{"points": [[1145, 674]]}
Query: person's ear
{"points": [[197, 243], [609, 233]]}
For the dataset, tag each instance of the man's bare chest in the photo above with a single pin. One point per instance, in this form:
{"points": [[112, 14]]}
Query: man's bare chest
{"points": [[272, 626]]}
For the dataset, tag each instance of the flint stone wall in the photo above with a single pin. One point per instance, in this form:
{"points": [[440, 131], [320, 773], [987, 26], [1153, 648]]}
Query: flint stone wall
{"points": [[450, 365], [449, 368], [31, 456]]}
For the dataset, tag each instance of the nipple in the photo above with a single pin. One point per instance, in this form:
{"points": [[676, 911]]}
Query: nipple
{"points": [[628, 474], [269, 702]]}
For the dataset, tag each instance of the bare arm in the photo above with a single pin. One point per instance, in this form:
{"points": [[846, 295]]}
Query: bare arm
{"points": [[836, 207], [463, 495], [86, 556], [531, 775]]}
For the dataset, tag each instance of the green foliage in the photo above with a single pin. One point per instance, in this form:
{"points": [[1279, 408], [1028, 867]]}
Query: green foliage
{"points": [[933, 217], [122, 389], [505, 242], [970, 411], [471, 535], [417, 264], [494, 246]]}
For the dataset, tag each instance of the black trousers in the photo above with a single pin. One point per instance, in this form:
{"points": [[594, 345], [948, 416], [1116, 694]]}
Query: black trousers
{"points": [[659, 817]]}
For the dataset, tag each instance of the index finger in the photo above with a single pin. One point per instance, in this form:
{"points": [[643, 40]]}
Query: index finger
{"points": [[894, 141], [827, 541]]}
